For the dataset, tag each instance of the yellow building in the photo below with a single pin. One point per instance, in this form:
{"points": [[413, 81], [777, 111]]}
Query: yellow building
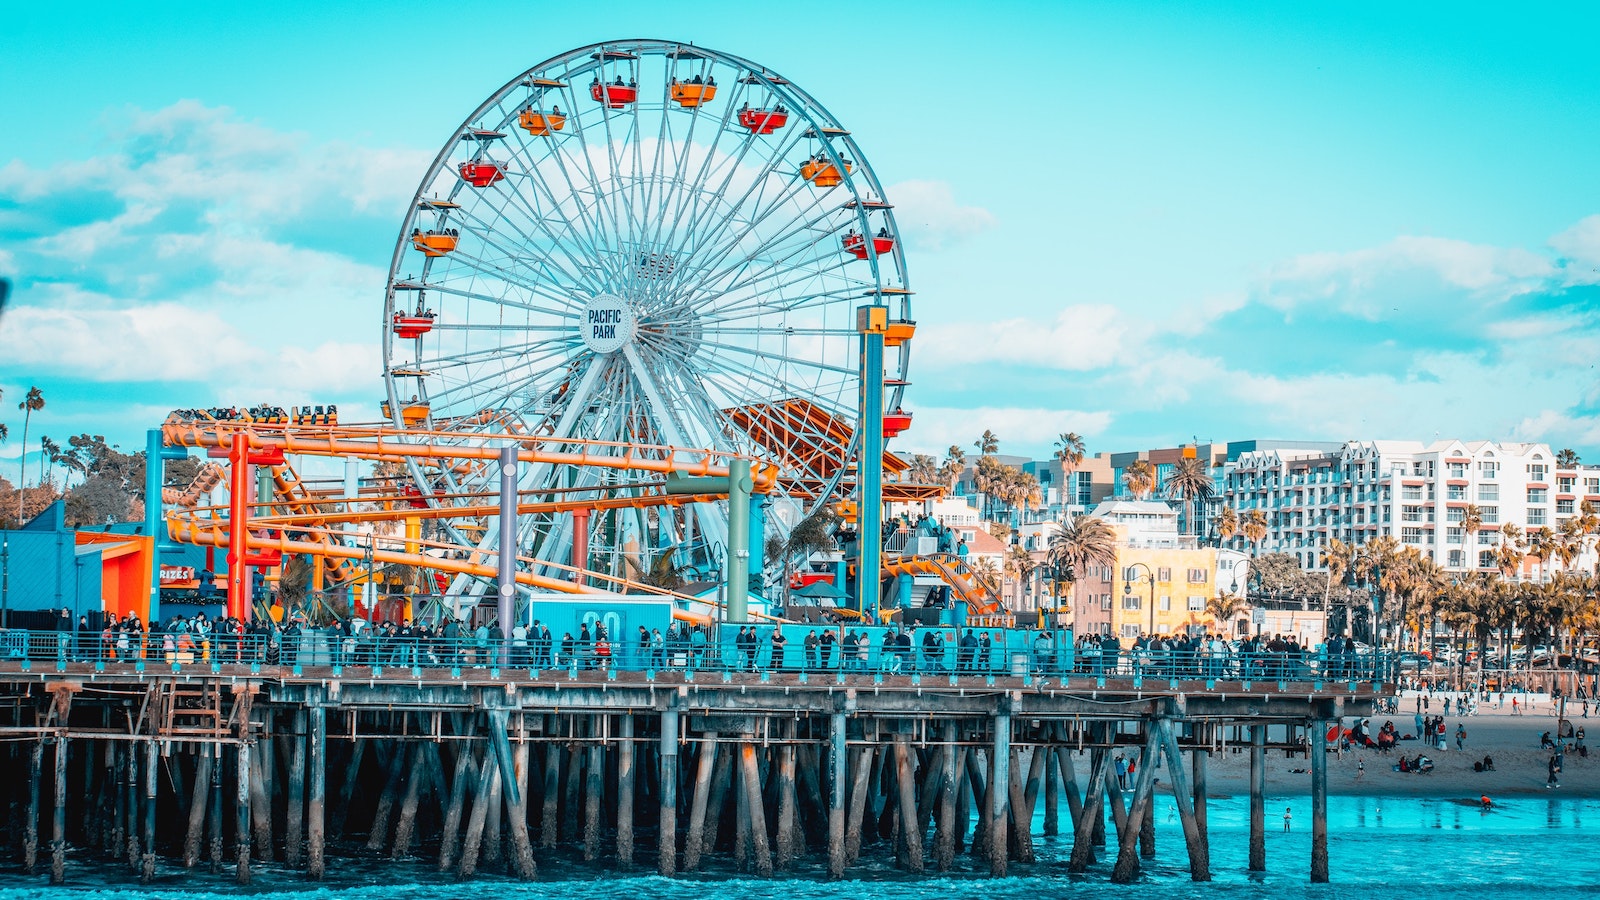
{"points": [[1181, 581], [1153, 561]]}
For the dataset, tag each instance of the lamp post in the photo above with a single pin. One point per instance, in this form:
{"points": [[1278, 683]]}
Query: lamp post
{"points": [[1127, 591]]}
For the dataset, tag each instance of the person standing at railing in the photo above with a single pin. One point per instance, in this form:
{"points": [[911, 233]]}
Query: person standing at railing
{"points": [[697, 647], [825, 647], [519, 646]]}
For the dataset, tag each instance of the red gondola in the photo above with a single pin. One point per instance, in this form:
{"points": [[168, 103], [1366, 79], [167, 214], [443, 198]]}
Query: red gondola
{"points": [[896, 422], [762, 121], [480, 173], [856, 243], [412, 326], [614, 95]]}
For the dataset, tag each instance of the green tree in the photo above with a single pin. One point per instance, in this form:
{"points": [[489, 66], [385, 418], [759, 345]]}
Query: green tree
{"points": [[1140, 478], [30, 403], [1190, 482]]}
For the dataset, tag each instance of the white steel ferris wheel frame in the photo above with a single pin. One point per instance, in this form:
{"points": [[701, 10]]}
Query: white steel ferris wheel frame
{"points": [[700, 240]]}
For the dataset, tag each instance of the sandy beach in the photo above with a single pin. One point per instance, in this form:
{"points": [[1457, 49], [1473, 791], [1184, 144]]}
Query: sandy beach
{"points": [[1513, 741]]}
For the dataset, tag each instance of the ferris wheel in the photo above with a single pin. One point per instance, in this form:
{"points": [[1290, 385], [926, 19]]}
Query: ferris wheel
{"points": [[638, 242]]}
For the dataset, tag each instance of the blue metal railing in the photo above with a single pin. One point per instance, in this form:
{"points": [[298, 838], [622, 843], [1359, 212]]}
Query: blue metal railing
{"points": [[862, 650]]}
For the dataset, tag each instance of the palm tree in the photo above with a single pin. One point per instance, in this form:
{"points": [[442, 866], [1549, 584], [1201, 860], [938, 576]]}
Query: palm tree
{"points": [[1083, 541], [1541, 546], [1471, 522], [1336, 559], [1191, 482], [1224, 608], [1140, 477], [924, 469], [1227, 524], [33, 401], [988, 443], [1069, 452], [955, 465], [1019, 565], [1254, 527], [50, 452], [1508, 557], [1567, 458]]}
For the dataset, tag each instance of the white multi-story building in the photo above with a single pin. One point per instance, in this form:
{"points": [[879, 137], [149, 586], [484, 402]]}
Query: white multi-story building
{"points": [[1414, 492]]}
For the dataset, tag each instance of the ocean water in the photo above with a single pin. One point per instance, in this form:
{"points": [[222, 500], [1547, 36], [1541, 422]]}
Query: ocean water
{"points": [[1523, 848]]}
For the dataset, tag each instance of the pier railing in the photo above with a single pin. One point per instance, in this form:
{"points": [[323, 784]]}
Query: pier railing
{"points": [[333, 648]]}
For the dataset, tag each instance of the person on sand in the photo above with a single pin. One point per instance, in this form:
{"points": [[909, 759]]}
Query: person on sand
{"points": [[1554, 768], [1361, 768], [1461, 737], [1515, 709]]}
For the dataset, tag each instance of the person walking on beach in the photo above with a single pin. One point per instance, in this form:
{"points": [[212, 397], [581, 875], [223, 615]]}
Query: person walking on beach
{"points": [[1515, 709], [1554, 767], [1361, 768], [1461, 737], [1286, 818]]}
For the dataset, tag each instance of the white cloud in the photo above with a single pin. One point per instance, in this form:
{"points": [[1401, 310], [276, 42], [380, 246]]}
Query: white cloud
{"points": [[1023, 430], [158, 342], [1580, 245], [1081, 337], [929, 218]]}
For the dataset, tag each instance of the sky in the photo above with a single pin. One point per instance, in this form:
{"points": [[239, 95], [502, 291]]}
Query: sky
{"points": [[1146, 223]]}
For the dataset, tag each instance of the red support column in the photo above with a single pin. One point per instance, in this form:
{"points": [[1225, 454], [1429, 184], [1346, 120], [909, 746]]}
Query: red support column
{"points": [[580, 543], [238, 527]]}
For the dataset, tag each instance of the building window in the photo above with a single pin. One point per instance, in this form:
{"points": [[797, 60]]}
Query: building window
{"points": [[1197, 576], [1197, 604], [1453, 535], [1128, 631], [1488, 492], [1536, 515], [1411, 514], [1411, 492], [1454, 514], [1538, 495], [1105, 601], [1564, 507], [1458, 470], [1491, 514], [1565, 483], [1163, 574], [1591, 485], [1457, 558], [1536, 472], [1488, 468], [1130, 601], [1411, 535], [1490, 537], [1485, 559], [1166, 603], [1457, 492]]}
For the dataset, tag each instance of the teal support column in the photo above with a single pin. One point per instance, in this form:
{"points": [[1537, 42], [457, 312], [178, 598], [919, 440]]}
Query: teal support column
{"points": [[156, 454], [740, 484], [758, 538], [872, 322]]}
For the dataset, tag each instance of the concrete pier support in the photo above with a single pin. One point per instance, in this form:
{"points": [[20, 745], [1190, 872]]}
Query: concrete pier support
{"points": [[999, 794], [58, 823], [667, 852], [1094, 813], [787, 842], [1199, 852], [295, 810], [197, 807], [625, 790], [944, 839], [30, 827], [1258, 798], [750, 784], [241, 814], [860, 786], [1317, 745], [705, 770], [838, 759], [316, 801], [1126, 868], [152, 780], [906, 793]]}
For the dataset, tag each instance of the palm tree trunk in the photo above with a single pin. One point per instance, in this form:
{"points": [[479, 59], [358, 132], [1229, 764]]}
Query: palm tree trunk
{"points": [[22, 462]]}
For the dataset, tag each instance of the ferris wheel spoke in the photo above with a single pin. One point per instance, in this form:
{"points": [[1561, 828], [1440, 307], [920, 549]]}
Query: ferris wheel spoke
{"points": [[487, 232], [771, 297], [540, 223], [685, 196], [502, 273], [444, 364], [727, 246], [532, 170], [797, 258], [794, 226]]}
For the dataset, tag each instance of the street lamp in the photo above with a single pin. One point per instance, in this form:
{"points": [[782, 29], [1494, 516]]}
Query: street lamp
{"points": [[1127, 591]]}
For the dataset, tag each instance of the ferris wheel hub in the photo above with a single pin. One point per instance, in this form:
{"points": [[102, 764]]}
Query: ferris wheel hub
{"points": [[608, 323]]}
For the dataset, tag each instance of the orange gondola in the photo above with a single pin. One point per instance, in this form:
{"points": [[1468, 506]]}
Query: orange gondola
{"points": [[539, 122], [821, 171], [434, 243], [689, 94]]}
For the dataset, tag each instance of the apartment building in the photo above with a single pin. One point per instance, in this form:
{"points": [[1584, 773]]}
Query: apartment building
{"points": [[1160, 583], [1417, 493]]}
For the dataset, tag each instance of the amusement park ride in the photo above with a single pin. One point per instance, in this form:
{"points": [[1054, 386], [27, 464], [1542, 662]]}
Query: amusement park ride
{"points": [[662, 275]]}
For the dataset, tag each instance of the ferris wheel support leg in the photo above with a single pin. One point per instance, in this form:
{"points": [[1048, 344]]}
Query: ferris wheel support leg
{"points": [[580, 543], [872, 322], [508, 539]]}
